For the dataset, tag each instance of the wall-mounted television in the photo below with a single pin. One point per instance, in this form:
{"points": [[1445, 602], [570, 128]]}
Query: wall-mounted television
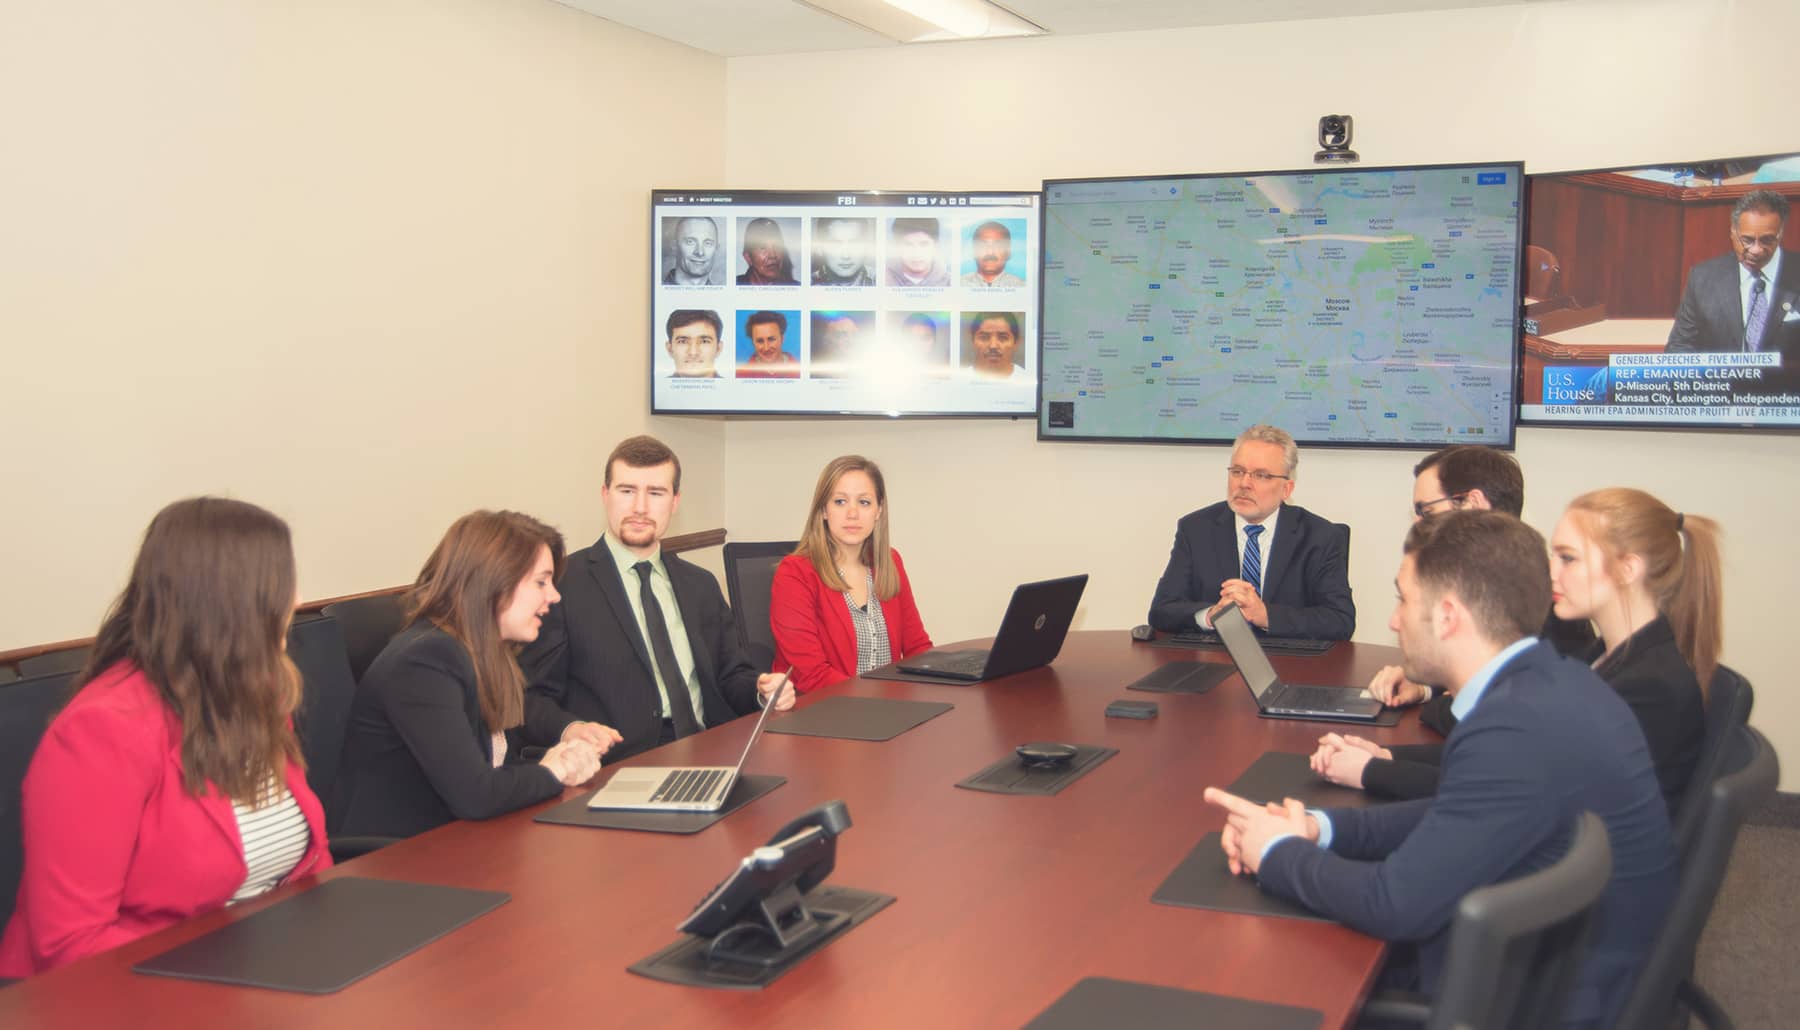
{"points": [[1642, 299], [844, 302], [1352, 307]]}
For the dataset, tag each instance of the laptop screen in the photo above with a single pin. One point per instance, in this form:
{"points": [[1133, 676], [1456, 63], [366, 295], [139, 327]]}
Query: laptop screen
{"points": [[1246, 653], [764, 717]]}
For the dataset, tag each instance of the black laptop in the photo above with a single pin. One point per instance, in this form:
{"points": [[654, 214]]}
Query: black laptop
{"points": [[1278, 700], [1030, 635]]}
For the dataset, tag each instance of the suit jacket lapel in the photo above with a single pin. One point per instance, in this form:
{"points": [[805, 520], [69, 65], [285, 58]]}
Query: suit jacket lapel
{"points": [[606, 573], [1281, 553], [1225, 547]]}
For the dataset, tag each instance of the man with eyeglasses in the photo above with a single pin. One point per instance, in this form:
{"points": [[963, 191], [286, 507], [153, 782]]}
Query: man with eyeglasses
{"points": [[1464, 477], [1286, 568], [1748, 300]]}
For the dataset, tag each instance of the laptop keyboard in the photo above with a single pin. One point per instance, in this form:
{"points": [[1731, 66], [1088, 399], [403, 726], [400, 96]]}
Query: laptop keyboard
{"points": [[1206, 639], [1312, 699], [689, 785]]}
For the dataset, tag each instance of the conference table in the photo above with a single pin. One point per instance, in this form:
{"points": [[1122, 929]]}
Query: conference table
{"points": [[1003, 902]]}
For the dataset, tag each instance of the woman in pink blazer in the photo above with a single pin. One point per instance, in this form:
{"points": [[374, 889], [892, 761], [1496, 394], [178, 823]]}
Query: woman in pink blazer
{"points": [[841, 603], [129, 824]]}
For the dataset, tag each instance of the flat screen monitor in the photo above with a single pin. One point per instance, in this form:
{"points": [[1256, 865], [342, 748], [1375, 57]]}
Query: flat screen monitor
{"points": [[1351, 307], [844, 303], [1642, 300]]}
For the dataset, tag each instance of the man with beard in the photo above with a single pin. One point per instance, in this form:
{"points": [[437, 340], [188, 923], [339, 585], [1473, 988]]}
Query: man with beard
{"points": [[766, 260], [992, 246], [642, 641], [1288, 569]]}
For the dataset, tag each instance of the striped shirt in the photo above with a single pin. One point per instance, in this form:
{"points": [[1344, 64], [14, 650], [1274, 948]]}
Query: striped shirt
{"points": [[275, 837], [872, 651]]}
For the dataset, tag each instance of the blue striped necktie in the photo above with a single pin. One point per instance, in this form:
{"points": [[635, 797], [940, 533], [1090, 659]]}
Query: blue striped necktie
{"points": [[1759, 308], [1253, 558]]}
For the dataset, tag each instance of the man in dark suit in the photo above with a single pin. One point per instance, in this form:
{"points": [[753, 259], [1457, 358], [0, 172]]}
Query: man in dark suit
{"points": [[1748, 300], [1286, 568], [634, 623], [1540, 739]]}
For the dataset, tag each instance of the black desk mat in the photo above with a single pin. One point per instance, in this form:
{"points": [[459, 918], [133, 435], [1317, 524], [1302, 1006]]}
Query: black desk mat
{"points": [[892, 673], [1184, 678], [1280, 774], [683, 962], [1126, 1005], [575, 811], [857, 718], [1203, 880], [1010, 775], [327, 938]]}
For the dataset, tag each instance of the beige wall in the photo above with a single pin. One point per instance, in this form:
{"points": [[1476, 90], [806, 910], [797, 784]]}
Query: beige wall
{"points": [[979, 506], [368, 264]]}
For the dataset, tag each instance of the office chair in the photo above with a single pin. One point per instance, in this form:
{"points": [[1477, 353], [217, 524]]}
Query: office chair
{"points": [[749, 575], [368, 624], [26, 708], [8, 674], [317, 647], [1514, 946], [1748, 775], [1729, 699], [1543, 274], [70, 660]]}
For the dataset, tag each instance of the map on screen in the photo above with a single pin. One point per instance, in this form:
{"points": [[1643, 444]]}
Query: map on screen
{"points": [[1356, 307]]}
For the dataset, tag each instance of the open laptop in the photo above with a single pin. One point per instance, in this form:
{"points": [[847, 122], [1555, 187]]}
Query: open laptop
{"points": [[1031, 634], [1278, 700], [700, 788]]}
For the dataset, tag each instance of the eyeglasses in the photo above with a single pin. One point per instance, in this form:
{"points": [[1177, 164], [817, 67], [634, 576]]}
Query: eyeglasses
{"points": [[1423, 508], [1765, 242], [1257, 476]]}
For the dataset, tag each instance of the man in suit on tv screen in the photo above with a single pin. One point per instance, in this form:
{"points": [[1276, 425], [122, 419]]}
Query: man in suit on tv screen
{"points": [[1748, 300]]}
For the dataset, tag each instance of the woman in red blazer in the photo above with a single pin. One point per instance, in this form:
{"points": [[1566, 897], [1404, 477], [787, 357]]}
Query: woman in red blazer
{"points": [[842, 574], [128, 826]]}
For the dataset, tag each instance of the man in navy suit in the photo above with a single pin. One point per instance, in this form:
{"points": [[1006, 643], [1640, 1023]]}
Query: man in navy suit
{"points": [[1748, 300], [1539, 740], [1286, 568], [642, 647]]}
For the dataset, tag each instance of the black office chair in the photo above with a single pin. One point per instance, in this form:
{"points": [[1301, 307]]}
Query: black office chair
{"points": [[1515, 946], [1729, 699], [8, 674], [1748, 775], [317, 647], [368, 624], [26, 707], [749, 574], [70, 660]]}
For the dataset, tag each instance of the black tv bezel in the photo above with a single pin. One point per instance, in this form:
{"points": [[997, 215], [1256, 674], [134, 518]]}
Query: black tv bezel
{"points": [[1519, 417], [1512, 420], [726, 198]]}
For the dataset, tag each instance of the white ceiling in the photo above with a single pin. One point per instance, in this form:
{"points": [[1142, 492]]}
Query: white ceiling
{"points": [[743, 28]]}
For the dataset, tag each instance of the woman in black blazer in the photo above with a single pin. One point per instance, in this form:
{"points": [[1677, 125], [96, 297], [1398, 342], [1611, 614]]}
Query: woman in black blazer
{"points": [[428, 741], [1649, 579]]}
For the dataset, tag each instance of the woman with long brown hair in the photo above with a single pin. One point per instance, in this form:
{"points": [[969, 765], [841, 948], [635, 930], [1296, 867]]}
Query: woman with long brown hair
{"points": [[428, 731], [841, 604], [172, 783]]}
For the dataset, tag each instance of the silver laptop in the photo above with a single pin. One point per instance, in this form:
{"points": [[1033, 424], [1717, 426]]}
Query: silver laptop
{"points": [[1031, 635], [702, 788], [1278, 700]]}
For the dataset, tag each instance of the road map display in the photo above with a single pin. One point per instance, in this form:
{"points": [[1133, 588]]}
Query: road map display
{"points": [[1356, 307]]}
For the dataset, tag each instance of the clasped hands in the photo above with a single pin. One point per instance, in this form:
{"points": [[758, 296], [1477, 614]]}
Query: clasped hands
{"points": [[1242, 594], [1249, 827], [1341, 758]]}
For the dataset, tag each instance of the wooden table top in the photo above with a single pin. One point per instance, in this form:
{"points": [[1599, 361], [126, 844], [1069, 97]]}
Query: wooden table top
{"points": [[1004, 902]]}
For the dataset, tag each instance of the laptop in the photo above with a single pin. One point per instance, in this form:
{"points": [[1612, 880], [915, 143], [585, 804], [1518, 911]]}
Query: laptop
{"points": [[1278, 700], [701, 788], [1031, 635]]}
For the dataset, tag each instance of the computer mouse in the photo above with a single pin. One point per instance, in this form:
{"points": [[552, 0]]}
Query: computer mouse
{"points": [[1046, 755], [1142, 633]]}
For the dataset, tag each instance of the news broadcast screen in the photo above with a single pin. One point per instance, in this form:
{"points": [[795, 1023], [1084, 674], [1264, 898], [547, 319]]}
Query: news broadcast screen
{"points": [[1350, 306], [1663, 297], [844, 303]]}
